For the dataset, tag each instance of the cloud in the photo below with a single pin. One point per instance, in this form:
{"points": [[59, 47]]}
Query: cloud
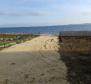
{"points": [[87, 13], [22, 14]]}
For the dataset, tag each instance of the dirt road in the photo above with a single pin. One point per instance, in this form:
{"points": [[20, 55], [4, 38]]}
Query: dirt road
{"points": [[33, 62]]}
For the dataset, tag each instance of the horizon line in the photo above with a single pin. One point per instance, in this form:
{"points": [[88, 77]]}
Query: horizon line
{"points": [[45, 25]]}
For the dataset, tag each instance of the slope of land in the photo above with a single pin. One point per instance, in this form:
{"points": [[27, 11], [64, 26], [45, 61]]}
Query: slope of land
{"points": [[33, 62]]}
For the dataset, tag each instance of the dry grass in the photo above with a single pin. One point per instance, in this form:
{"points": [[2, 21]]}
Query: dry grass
{"points": [[75, 52], [76, 45]]}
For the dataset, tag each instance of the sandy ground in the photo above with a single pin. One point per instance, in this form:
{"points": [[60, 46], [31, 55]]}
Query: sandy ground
{"points": [[33, 62]]}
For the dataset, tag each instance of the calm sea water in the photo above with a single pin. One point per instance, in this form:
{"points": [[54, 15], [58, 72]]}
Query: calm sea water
{"points": [[46, 29]]}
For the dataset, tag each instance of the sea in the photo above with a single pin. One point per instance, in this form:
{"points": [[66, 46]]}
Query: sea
{"points": [[46, 29]]}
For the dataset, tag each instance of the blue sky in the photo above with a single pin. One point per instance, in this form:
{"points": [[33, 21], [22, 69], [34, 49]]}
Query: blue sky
{"points": [[44, 12]]}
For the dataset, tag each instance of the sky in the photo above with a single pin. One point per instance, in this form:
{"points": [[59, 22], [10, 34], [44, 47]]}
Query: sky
{"points": [[44, 12]]}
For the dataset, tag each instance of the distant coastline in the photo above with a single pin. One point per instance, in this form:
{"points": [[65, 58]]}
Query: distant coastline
{"points": [[46, 29]]}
